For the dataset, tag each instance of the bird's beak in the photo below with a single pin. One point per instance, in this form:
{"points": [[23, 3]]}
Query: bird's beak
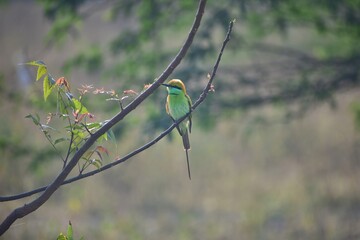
{"points": [[166, 85]]}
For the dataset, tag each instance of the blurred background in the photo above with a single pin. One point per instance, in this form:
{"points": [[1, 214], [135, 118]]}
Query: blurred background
{"points": [[275, 149]]}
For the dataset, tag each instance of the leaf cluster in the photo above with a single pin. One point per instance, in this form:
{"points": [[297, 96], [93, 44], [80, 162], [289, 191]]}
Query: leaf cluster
{"points": [[69, 234], [79, 122]]}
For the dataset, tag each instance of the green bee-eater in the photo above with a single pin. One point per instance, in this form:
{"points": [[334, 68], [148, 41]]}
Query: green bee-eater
{"points": [[178, 104]]}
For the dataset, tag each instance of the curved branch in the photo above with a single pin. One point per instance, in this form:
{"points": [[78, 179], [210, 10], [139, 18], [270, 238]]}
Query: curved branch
{"points": [[35, 204], [144, 147]]}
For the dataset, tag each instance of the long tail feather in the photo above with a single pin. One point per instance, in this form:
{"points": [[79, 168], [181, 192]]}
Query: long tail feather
{"points": [[186, 144], [188, 164], [185, 138]]}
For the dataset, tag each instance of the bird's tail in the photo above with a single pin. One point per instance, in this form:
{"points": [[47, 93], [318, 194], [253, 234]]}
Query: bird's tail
{"points": [[186, 143], [188, 164]]}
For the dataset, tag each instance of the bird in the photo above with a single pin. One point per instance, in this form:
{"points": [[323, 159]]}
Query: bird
{"points": [[178, 104]]}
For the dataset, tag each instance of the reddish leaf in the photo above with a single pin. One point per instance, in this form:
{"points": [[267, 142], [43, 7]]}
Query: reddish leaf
{"points": [[130, 91], [99, 90], [85, 89], [111, 92], [47, 87], [102, 150], [63, 82], [146, 86]]}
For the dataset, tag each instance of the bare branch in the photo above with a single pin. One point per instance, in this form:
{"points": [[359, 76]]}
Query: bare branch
{"points": [[212, 76], [34, 205]]}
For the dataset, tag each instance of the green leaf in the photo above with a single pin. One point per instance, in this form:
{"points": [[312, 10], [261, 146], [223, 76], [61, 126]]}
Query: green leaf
{"points": [[103, 137], [47, 86], [61, 106], [78, 107], [111, 135], [70, 232], [96, 163], [59, 140], [35, 119], [44, 126], [78, 133], [99, 154], [42, 70], [61, 237], [78, 137], [37, 63], [92, 127]]}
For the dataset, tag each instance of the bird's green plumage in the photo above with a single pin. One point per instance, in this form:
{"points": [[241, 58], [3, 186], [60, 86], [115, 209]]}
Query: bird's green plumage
{"points": [[178, 104]]}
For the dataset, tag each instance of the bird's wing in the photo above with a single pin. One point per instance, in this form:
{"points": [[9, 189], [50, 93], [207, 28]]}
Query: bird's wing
{"points": [[167, 105], [190, 105], [168, 112]]}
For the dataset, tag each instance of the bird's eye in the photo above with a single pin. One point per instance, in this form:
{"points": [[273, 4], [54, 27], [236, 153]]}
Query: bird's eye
{"points": [[176, 87]]}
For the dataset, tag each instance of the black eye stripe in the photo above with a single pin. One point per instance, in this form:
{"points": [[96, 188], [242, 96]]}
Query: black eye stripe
{"points": [[171, 86]]}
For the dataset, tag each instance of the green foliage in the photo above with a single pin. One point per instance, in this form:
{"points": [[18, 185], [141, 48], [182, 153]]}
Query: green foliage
{"points": [[35, 119], [91, 60], [69, 234], [76, 116], [78, 106], [320, 35], [64, 15], [48, 81], [61, 26]]}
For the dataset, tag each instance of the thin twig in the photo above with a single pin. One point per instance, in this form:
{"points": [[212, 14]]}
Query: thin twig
{"points": [[212, 76], [69, 148], [51, 142], [86, 128], [35, 204], [71, 127]]}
